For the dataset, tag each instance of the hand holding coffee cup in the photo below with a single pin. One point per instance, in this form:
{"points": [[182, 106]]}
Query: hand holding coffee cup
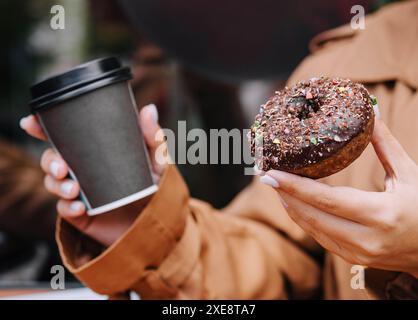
{"points": [[105, 228], [89, 116]]}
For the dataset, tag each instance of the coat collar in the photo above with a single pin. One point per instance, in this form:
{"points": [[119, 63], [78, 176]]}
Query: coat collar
{"points": [[386, 50]]}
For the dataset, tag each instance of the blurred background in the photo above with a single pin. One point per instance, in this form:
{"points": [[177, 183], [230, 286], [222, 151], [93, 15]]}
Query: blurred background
{"points": [[211, 63]]}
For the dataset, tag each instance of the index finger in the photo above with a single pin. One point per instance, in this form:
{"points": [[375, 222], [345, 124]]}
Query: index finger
{"points": [[345, 202], [32, 127], [390, 152]]}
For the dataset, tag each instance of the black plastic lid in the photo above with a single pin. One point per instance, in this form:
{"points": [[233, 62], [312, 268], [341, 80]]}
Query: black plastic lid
{"points": [[79, 80]]}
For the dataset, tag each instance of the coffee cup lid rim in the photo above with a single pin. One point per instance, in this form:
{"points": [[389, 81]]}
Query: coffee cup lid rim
{"points": [[81, 79]]}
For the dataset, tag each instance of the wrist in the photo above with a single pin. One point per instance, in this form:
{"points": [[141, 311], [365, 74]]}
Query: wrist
{"points": [[114, 224]]}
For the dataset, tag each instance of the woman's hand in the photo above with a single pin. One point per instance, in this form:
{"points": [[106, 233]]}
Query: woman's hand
{"points": [[376, 229], [105, 228]]}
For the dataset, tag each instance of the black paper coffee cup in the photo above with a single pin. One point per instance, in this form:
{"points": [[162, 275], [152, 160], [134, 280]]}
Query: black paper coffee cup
{"points": [[90, 117]]}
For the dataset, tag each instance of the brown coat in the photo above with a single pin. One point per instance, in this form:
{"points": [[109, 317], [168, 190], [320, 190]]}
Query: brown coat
{"points": [[183, 248]]}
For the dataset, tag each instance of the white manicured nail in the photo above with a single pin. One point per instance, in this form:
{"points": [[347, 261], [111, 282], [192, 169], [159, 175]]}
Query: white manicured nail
{"points": [[154, 111], [54, 168], [67, 187], [266, 179], [76, 206], [23, 123]]}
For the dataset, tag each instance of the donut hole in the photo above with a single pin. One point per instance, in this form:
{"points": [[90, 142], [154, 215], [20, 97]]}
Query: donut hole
{"points": [[303, 108]]}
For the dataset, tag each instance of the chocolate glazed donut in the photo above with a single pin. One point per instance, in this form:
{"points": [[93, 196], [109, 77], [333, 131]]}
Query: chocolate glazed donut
{"points": [[313, 129]]}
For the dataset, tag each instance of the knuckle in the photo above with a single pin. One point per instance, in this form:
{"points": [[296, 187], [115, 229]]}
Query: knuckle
{"points": [[388, 219], [326, 202], [337, 248], [316, 235], [361, 259], [384, 212], [312, 221], [373, 249], [290, 188], [291, 184], [352, 258]]}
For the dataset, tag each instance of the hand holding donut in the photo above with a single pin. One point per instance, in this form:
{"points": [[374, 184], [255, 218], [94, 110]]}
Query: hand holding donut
{"points": [[104, 228], [376, 229]]}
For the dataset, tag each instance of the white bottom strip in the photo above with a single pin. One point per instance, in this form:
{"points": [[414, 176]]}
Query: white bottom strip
{"points": [[124, 201]]}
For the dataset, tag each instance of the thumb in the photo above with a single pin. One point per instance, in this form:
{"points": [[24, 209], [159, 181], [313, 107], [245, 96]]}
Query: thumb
{"points": [[391, 154], [148, 120]]}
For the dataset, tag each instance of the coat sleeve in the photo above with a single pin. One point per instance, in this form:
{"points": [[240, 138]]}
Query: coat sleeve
{"points": [[181, 248]]}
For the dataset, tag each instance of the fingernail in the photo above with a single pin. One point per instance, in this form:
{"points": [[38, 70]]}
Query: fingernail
{"points": [[76, 206], [54, 168], [154, 112], [23, 123], [266, 179], [67, 187]]}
